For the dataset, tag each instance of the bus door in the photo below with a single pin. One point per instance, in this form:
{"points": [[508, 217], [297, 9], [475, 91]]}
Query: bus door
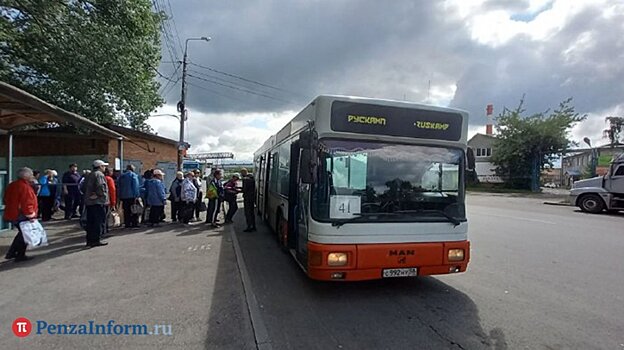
{"points": [[265, 186], [300, 202], [260, 174], [293, 195]]}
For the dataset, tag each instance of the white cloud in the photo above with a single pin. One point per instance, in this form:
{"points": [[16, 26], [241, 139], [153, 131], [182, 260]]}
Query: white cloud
{"points": [[239, 133]]}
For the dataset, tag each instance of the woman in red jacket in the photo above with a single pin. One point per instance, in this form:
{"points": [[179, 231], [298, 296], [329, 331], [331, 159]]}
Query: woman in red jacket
{"points": [[112, 196], [20, 203]]}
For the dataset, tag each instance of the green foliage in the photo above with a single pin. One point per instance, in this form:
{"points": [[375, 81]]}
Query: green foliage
{"points": [[94, 58], [525, 141], [616, 125]]}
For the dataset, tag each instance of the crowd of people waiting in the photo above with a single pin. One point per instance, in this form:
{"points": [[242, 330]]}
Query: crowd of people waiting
{"points": [[95, 194]]}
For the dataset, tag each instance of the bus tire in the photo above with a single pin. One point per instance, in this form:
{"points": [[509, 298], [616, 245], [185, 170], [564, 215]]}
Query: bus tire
{"points": [[281, 229], [591, 203]]}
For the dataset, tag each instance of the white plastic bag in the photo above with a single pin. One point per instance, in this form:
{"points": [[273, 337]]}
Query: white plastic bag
{"points": [[34, 234]]}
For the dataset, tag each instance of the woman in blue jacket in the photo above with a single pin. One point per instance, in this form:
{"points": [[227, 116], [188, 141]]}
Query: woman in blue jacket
{"points": [[155, 197], [46, 197]]}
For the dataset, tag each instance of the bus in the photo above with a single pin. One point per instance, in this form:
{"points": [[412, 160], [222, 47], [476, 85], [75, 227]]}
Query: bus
{"points": [[359, 189]]}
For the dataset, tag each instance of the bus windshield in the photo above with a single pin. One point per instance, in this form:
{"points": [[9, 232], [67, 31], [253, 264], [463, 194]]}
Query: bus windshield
{"points": [[398, 182]]}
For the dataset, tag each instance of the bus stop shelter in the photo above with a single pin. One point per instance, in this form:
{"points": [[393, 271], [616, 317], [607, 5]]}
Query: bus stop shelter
{"points": [[18, 108]]}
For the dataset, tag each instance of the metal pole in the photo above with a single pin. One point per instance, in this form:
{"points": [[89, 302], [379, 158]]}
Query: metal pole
{"points": [[120, 151], [10, 159], [182, 106]]}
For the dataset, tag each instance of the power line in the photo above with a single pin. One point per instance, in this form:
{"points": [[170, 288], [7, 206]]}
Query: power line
{"points": [[175, 27], [165, 94], [243, 79], [216, 92], [170, 77], [239, 89], [218, 78]]}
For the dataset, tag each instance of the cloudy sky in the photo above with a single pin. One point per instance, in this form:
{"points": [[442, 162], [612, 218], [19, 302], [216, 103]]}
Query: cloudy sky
{"points": [[267, 59]]}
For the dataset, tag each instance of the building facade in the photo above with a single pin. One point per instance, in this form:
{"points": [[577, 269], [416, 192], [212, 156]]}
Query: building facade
{"points": [[483, 147], [56, 148]]}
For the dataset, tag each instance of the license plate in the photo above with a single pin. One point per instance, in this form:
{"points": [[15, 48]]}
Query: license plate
{"points": [[406, 272]]}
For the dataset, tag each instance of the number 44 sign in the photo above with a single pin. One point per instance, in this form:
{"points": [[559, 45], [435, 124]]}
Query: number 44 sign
{"points": [[343, 207]]}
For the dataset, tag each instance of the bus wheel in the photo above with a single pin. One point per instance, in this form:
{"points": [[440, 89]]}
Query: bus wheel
{"points": [[282, 232], [591, 203]]}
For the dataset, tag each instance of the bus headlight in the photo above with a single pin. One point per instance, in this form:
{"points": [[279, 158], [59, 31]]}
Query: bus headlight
{"points": [[456, 254], [337, 259]]}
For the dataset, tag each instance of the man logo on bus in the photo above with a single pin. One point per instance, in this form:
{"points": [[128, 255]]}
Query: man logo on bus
{"points": [[362, 119], [395, 252], [21, 327]]}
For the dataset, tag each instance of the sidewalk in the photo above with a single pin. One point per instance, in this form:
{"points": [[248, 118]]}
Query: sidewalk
{"points": [[183, 276]]}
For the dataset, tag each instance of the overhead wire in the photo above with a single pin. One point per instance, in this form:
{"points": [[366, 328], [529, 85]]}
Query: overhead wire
{"points": [[243, 78], [239, 89]]}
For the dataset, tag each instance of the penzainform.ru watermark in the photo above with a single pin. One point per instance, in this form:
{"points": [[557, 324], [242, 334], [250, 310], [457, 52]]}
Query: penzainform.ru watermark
{"points": [[22, 327]]}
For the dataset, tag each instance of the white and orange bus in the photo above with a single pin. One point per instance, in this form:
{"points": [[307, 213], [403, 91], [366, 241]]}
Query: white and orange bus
{"points": [[359, 189]]}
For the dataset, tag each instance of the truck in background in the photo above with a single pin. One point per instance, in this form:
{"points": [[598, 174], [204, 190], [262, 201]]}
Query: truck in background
{"points": [[602, 192]]}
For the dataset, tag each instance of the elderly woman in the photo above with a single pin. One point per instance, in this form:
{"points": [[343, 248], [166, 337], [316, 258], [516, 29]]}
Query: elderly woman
{"points": [[188, 197], [47, 194], [155, 197]]}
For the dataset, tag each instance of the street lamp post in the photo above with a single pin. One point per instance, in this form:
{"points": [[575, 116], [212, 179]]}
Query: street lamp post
{"points": [[182, 103]]}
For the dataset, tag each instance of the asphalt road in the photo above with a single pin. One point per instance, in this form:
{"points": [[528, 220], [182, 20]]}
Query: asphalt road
{"points": [[185, 277], [541, 277]]}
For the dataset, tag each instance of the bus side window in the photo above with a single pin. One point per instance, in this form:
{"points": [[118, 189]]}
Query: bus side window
{"points": [[274, 173]]}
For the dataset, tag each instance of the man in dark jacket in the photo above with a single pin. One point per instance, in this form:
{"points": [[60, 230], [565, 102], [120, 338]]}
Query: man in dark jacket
{"points": [[175, 196], [96, 199], [249, 195], [72, 194]]}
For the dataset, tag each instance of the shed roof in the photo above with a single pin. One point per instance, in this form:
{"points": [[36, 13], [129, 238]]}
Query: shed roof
{"points": [[19, 108]]}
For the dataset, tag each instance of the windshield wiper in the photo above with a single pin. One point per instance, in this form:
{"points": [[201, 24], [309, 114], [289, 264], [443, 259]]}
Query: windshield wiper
{"points": [[359, 216], [450, 218]]}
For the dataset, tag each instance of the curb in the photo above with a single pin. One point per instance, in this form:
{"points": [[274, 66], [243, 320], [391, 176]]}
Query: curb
{"points": [[261, 334]]}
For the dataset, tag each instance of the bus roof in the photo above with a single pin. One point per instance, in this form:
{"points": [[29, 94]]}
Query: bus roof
{"points": [[322, 105]]}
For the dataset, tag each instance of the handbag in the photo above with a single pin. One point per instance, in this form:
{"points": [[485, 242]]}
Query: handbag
{"points": [[136, 209], [34, 234], [202, 206], [114, 220]]}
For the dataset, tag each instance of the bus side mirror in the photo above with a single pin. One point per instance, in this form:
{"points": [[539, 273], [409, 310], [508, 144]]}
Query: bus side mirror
{"points": [[470, 159], [308, 165]]}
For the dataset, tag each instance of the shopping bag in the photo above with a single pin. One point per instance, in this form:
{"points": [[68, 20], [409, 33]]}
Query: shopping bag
{"points": [[34, 234], [114, 220], [136, 209]]}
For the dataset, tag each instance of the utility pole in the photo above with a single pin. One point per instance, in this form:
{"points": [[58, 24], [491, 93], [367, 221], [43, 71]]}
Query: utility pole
{"points": [[182, 103]]}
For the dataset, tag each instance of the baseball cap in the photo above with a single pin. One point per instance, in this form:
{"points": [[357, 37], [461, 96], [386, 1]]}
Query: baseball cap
{"points": [[98, 163]]}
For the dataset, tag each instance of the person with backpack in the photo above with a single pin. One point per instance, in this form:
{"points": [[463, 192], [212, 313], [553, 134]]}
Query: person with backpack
{"points": [[188, 197], [214, 193], [175, 196]]}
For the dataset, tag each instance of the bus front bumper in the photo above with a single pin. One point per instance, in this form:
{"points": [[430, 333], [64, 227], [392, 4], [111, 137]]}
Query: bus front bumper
{"points": [[358, 262]]}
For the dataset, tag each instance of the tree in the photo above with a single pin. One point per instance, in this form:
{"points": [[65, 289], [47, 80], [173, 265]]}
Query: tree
{"points": [[524, 145], [616, 125], [94, 58]]}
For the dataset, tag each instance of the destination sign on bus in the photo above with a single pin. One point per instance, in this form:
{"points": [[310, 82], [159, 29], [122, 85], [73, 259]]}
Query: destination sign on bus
{"points": [[395, 121]]}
